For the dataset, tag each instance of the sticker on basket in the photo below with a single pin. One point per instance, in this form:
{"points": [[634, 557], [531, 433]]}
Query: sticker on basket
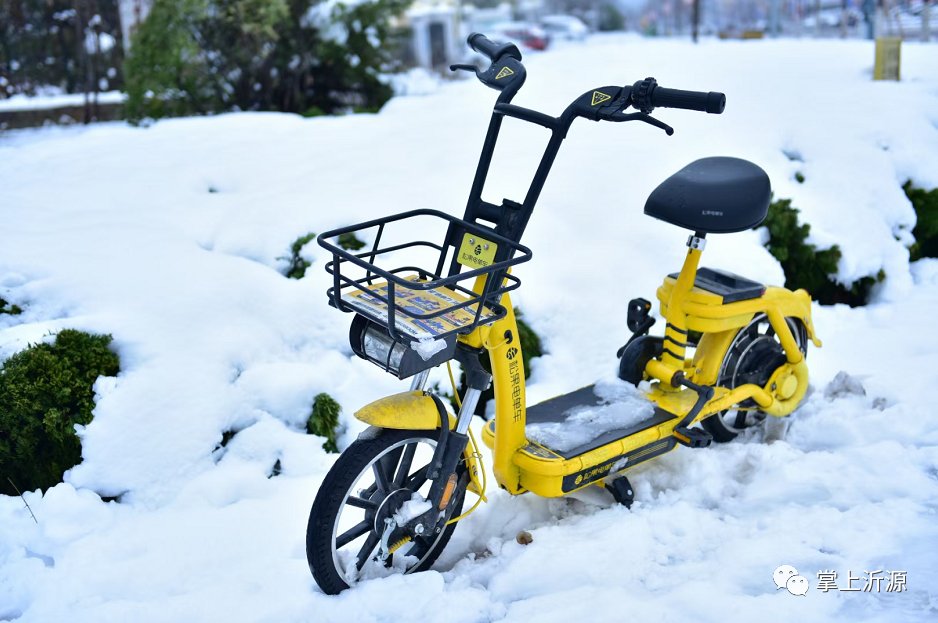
{"points": [[416, 303], [476, 252]]}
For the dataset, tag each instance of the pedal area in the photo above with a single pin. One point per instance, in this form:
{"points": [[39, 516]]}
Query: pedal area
{"points": [[581, 438]]}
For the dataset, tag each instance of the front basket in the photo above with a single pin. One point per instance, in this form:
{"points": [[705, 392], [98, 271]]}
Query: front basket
{"points": [[392, 284]]}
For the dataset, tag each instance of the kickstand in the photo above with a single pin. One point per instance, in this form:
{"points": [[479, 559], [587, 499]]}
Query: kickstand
{"points": [[621, 490]]}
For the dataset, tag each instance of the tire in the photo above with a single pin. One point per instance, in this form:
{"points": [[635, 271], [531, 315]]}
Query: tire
{"points": [[343, 532], [753, 355]]}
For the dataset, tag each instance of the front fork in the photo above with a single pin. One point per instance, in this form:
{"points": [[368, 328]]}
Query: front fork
{"points": [[451, 448]]}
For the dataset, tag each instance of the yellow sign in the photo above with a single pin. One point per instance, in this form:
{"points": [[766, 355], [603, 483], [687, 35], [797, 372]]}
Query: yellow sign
{"points": [[476, 252], [505, 72], [888, 58], [599, 97]]}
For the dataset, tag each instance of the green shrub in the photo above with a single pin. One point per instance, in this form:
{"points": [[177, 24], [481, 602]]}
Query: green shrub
{"points": [[12, 310], [45, 390], [531, 347], [301, 56], [610, 17], [530, 343], [296, 267], [350, 242], [925, 203], [807, 267], [324, 420]]}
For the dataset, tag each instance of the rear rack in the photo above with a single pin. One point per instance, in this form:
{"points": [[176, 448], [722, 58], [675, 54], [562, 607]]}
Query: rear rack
{"points": [[392, 286]]}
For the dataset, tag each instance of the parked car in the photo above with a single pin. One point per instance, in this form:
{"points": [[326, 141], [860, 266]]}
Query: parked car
{"points": [[564, 27], [525, 33]]}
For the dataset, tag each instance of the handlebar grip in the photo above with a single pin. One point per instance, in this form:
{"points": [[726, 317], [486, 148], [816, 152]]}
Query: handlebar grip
{"points": [[711, 102], [494, 51]]}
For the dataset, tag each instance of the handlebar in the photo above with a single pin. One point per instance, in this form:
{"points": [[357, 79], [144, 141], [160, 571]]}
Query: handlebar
{"points": [[647, 95], [494, 51], [711, 102], [506, 74]]}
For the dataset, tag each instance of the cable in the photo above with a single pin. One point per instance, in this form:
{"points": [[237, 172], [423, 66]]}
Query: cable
{"points": [[475, 451]]}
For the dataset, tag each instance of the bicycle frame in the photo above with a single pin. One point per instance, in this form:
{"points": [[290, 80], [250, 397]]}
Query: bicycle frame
{"points": [[520, 465]]}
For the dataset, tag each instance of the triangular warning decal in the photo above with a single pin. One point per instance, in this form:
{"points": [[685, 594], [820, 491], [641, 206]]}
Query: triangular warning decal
{"points": [[506, 71], [599, 97]]}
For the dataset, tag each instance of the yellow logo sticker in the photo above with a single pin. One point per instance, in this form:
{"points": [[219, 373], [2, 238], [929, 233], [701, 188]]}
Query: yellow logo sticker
{"points": [[504, 73], [476, 252], [599, 97]]}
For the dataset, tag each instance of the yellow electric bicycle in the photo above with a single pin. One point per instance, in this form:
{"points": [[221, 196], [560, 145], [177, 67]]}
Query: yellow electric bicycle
{"points": [[393, 498]]}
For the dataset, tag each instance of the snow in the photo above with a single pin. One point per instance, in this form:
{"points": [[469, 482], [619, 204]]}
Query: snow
{"points": [[426, 347], [111, 228], [623, 405], [57, 100], [412, 508]]}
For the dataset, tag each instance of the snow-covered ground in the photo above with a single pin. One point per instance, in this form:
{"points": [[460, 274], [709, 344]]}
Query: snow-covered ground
{"points": [[170, 238]]}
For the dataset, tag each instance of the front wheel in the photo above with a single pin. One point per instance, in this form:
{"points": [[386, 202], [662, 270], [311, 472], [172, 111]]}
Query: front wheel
{"points": [[753, 355], [370, 482]]}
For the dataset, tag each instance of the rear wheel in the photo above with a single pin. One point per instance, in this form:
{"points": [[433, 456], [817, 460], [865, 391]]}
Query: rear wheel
{"points": [[370, 482], [753, 355]]}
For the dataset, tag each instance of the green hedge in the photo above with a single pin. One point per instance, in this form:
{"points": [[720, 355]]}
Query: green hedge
{"points": [[45, 390], [207, 56], [531, 347], [805, 265], [925, 203]]}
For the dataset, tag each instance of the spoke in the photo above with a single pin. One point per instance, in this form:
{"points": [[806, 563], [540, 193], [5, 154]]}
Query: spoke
{"points": [[740, 420], [403, 471], [365, 552], [416, 480], [361, 503], [753, 330], [388, 465], [381, 477], [347, 537]]}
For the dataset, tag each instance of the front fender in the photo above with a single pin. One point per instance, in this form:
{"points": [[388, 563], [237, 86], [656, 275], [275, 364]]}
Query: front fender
{"points": [[416, 410]]}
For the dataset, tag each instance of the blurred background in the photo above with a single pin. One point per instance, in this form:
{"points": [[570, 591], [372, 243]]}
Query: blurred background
{"points": [[68, 61]]}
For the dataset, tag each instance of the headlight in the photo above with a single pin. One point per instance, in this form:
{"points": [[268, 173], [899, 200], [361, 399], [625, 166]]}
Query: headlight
{"points": [[372, 342]]}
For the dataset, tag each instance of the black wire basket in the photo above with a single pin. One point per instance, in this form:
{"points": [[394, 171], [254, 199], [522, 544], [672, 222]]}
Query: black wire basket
{"points": [[393, 285]]}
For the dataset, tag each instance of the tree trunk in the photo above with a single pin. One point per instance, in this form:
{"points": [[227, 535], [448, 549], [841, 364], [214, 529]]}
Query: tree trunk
{"points": [[696, 26], [926, 21]]}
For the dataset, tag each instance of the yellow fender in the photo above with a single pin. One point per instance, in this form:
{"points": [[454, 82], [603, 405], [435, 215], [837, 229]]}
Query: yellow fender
{"points": [[416, 410]]}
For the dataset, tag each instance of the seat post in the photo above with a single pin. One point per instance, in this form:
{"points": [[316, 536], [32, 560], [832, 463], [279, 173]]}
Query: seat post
{"points": [[675, 334]]}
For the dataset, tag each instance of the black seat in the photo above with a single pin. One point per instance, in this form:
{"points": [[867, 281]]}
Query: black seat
{"points": [[713, 195]]}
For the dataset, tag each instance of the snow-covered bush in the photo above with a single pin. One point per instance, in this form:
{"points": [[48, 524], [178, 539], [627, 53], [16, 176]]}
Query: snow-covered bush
{"points": [[52, 45], [531, 347], [925, 232], [324, 420], [302, 56], [805, 265], [6, 308], [45, 391], [296, 263], [350, 242]]}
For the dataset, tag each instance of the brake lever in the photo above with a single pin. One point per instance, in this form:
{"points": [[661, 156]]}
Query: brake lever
{"points": [[471, 68], [640, 116]]}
